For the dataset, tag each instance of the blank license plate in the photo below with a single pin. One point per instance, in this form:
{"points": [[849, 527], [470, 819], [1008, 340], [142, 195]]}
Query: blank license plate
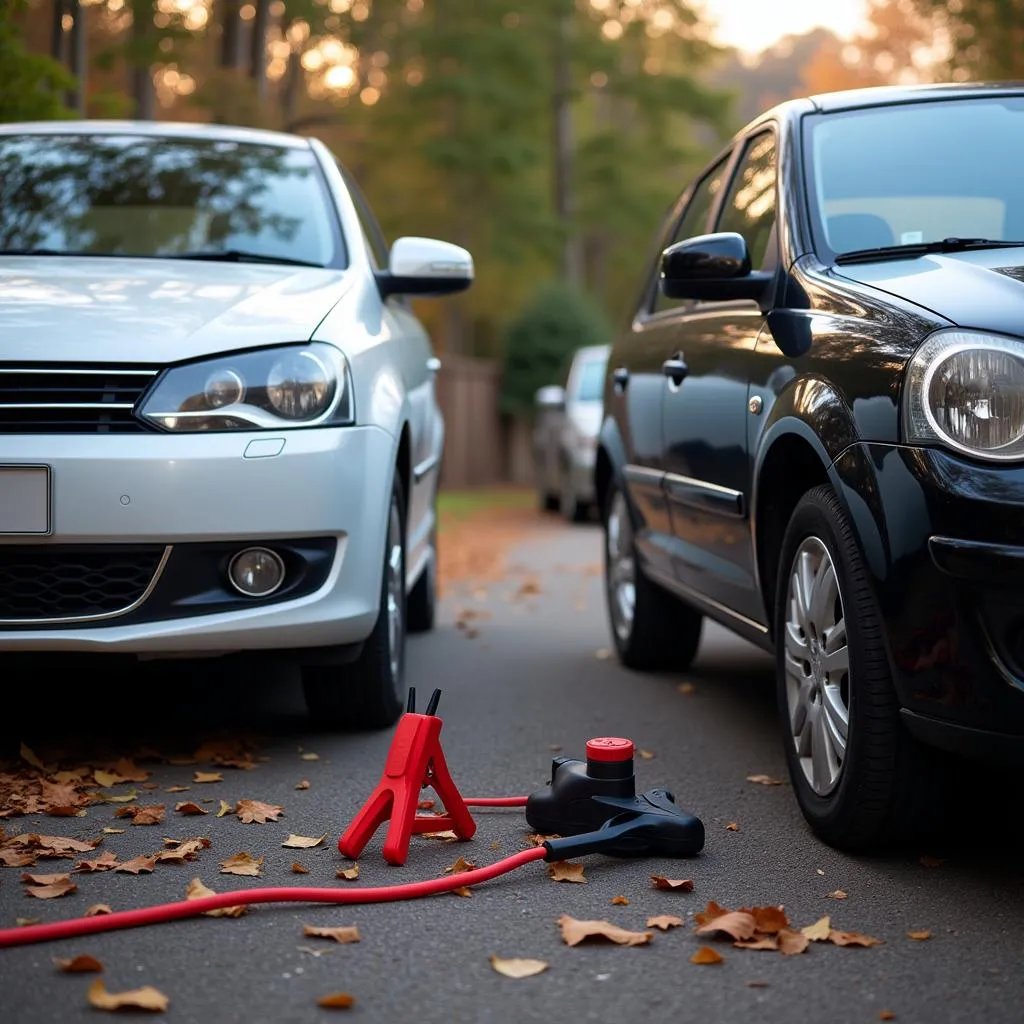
{"points": [[24, 500]]}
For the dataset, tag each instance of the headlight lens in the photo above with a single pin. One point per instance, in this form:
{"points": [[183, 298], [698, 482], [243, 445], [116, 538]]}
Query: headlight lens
{"points": [[270, 389], [965, 389]]}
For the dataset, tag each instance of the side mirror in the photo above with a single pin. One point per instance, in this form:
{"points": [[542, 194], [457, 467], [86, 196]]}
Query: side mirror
{"points": [[712, 267], [426, 266], [550, 398]]}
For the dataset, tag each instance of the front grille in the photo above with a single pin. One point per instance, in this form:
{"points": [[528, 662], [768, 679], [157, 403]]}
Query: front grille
{"points": [[71, 400], [46, 583]]}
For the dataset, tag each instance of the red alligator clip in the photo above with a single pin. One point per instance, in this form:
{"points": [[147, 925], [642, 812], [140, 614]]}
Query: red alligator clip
{"points": [[415, 760]]}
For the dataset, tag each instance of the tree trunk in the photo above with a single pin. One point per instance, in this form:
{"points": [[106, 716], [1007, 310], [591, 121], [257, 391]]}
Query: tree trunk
{"points": [[258, 48], [76, 98], [57, 31], [141, 70], [562, 150], [231, 34]]}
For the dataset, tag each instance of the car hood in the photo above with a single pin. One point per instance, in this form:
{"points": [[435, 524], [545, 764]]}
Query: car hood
{"points": [[97, 309], [982, 290]]}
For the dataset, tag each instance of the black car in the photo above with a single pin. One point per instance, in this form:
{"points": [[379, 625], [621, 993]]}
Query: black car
{"points": [[814, 433]]}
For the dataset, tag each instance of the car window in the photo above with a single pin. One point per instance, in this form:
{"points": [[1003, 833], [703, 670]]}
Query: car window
{"points": [[749, 207], [373, 236], [694, 221], [589, 383], [115, 194]]}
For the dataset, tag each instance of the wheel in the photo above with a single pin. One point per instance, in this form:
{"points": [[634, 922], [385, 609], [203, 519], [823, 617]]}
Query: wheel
{"points": [[422, 603], [651, 629], [571, 508], [860, 778], [369, 693], [548, 502]]}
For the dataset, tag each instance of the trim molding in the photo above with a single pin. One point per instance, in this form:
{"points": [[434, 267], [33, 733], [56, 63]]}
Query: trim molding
{"points": [[704, 495]]}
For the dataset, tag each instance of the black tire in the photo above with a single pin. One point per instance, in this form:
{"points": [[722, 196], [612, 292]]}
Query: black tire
{"points": [[548, 502], [664, 633], [421, 609], [886, 781], [368, 693]]}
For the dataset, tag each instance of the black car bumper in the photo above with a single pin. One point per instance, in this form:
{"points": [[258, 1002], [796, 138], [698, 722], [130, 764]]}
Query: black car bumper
{"points": [[943, 540]]}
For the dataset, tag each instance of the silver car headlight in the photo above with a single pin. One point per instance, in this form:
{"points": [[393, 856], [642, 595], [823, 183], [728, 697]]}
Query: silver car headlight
{"points": [[965, 389], [268, 389]]}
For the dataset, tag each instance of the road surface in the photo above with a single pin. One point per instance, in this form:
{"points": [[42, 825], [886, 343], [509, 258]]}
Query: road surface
{"points": [[529, 674]]}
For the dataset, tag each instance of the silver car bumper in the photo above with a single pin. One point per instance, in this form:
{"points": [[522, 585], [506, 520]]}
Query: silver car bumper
{"points": [[195, 498]]}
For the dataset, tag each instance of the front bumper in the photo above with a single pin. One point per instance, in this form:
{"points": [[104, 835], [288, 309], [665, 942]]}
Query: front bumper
{"points": [[943, 540], [186, 503]]}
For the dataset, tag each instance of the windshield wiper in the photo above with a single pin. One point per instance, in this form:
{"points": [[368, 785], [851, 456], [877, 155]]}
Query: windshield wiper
{"points": [[239, 256], [901, 252]]}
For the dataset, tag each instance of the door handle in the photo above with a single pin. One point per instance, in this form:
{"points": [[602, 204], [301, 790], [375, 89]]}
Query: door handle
{"points": [[620, 378], [675, 369], [433, 364]]}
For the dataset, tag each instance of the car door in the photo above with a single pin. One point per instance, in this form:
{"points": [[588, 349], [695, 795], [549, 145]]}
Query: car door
{"points": [[638, 384], [709, 354], [418, 367]]}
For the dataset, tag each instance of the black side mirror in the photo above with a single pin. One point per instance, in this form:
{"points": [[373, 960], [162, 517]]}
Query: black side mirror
{"points": [[712, 267]]}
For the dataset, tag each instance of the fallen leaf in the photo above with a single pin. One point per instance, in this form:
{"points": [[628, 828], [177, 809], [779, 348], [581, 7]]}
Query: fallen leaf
{"points": [[176, 789], [646, 755], [757, 983], [536, 839], [81, 964], [34, 879], [517, 968], [737, 924], [129, 771], [459, 866], [104, 862], [706, 955], [759, 942], [298, 869], [343, 935], [24, 922], [448, 836], [852, 939], [106, 779], [425, 805], [574, 932], [819, 931], [732, 827], [310, 756], [791, 943], [196, 891], [686, 688], [839, 894], [337, 1001], [664, 921], [602, 654], [225, 808], [819, 871], [563, 871], [294, 842], [27, 755], [528, 588], [620, 901], [118, 798], [242, 864], [349, 874], [53, 846], [919, 936], [931, 862], [113, 831], [150, 815], [51, 890], [137, 865], [886, 1015], [765, 780], [201, 777], [188, 807], [462, 890], [182, 850], [145, 998], [17, 858], [98, 908], [672, 884], [304, 784], [250, 811]]}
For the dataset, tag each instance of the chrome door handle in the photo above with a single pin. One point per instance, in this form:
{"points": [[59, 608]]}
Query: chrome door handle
{"points": [[675, 369], [433, 364]]}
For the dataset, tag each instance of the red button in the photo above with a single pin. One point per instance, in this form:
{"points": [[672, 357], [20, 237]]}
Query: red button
{"points": [[609, 748]]}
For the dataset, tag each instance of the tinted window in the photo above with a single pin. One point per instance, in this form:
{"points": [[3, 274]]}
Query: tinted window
{"points": [[694, 220], [590, 381], [133, 195], [749, 207], [918, 172]]}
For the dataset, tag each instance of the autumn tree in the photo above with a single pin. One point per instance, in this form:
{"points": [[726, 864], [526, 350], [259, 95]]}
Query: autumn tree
{"points": [[984, 38], [32, 86]]}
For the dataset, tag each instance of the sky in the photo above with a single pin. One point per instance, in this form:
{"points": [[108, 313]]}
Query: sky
{"points": [[753, 25]]}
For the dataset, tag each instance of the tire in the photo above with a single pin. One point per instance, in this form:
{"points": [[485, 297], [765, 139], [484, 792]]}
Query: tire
{"points": [[548, 502], [369, 693], [421, 608], [659, 632], [878, 788]]}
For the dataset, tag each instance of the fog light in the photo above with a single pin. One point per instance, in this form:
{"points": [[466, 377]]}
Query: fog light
{"points": [[256, 572]]}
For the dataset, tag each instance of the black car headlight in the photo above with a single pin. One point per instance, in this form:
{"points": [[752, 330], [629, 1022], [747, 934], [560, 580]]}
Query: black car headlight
{"points": [[269, 389]]}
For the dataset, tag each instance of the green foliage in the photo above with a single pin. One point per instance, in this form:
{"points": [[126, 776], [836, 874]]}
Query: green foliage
{"points": [[984, 36], [31, 86], [558, 320]]}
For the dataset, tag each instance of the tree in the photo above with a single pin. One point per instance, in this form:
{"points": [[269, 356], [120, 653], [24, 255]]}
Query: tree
{"points": [[32, 86], [984, 39]]}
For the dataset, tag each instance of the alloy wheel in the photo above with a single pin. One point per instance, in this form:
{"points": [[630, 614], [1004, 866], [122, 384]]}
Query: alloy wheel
{"points": [[621, 567]]}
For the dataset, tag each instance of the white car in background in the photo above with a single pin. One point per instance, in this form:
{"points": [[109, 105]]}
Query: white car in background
{"points": [[218, 423]]}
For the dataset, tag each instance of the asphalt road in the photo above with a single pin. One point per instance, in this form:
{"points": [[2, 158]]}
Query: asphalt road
{"points": [[529, 680]]}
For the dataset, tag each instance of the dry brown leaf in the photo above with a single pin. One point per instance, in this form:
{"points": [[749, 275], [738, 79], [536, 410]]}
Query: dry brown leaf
{"points": [[920, 936], [732, 827], [343, 935], [462, 890], [34, 879], [852, 939], [664, 921], [791, 943], [516, 967], [30, 757], [196, 891], [839, 894], [177, 789], [759, 942], [686, 688], [819, 931], [349, 874], [189, 807], [257, 811], [294, 842], [118, 798], [459, 866], [104, 862], [706, 955], [299, 869], [528, 588], [242, 864], [737, 924], [886, 1015], [137, 865], [182, 850], [98, 908], [114, 831], [52, 846], [620, 901], [563, 871], [537, 839], [51, 890], [574, 932], [24, 922], [672, 884], [602, 654], [145, 998], [757, 983], [304, 784], [153, 814], [129, 771], [931, 862], [646, 755], [17, 858], [81, 964], [337, 1001], [765, 780], [201, 777], [767, 919], [448, 836]]}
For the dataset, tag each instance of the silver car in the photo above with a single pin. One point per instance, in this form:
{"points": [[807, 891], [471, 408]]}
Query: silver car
{"points": [[218, 424], [565, 435]]}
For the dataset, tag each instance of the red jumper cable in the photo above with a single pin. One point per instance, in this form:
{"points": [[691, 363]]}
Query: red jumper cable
{"points": [[591, 804]]}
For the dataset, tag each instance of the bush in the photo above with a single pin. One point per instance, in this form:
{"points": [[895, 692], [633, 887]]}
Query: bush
{"points": [[538, 343], [31, 86]]}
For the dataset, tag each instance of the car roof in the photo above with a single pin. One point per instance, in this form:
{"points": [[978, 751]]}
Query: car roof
{"points": [[158, 129]]}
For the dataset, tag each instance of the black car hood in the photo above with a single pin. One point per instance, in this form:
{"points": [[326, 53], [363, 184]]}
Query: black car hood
{"points": [[982, 289]]}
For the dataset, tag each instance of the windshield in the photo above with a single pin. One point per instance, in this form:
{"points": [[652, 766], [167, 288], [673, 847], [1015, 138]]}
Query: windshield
{"points": [[135, 195], [917, 173], [590, 382]]}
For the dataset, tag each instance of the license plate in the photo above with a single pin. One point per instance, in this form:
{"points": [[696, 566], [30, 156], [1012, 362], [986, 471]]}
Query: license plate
{"points": [[24, 500]]}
